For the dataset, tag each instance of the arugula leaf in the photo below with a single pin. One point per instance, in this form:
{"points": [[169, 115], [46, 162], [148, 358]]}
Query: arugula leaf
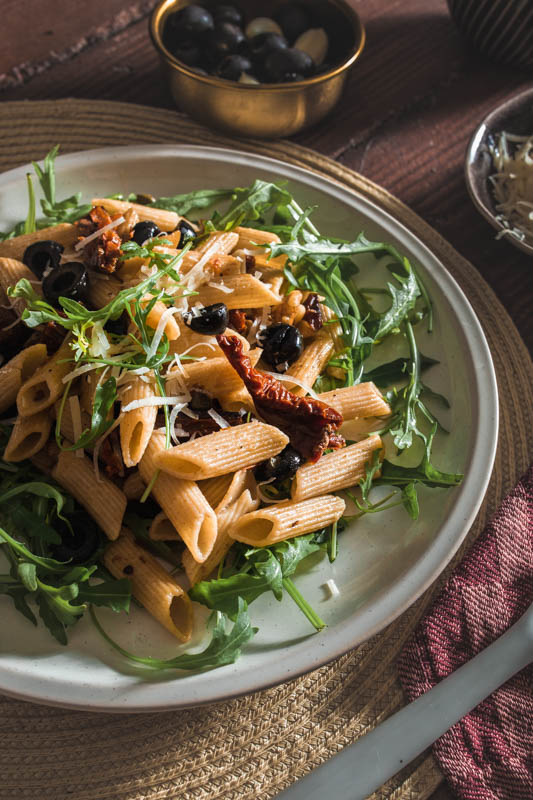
{"points": [[394, 371], [183, 203], [224, 594], [425, 472], [224, 647], [28, 575], [30, 224], [115, 594], [48, 616], [104, 398], [252, 201]]}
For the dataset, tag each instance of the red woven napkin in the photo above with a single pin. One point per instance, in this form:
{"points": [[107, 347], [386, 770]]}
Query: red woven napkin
{"points": [[488, 755]]}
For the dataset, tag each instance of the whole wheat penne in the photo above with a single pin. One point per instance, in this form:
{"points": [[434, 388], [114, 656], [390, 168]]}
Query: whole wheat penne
{"points": [[287, 520], [215, 489], [103, 289], [133, 487], [334, 471], [165, 220], [362, 400], [64, 233], [151, 585], [237, 291], [162, 530], [104, 501], [227, 518], [12, 271], [68, 427], [46, 385], [193, 264], [28, 436], [227, 450], [310, 364], [17, 370], [251, 237], [137, 425], [332, 326], [359, 428], [199, 345], [182, 501]]}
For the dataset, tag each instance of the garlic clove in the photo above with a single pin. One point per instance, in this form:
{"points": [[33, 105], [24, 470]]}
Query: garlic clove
{"points": [[262, 25], [315, 43]]}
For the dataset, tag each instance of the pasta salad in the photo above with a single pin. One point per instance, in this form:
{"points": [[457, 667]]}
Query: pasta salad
{"points": [[189, 410]]}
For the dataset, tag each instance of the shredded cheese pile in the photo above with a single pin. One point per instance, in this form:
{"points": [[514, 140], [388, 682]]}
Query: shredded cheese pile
{"points": [[512, 184]]}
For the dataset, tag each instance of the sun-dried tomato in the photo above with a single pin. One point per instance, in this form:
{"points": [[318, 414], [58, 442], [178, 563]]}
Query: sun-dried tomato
{"points": [[237, 320], [249, 261], [52, 334], [313, 312], [205, 423], [310, 424], [102, 253]]}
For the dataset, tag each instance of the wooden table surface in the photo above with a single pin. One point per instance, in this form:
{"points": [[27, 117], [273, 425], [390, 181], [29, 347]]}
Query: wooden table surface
{"points": [[404, 121]]}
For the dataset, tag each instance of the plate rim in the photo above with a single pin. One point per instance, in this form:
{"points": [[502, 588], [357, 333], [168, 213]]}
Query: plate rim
{"points": [[483, 449]]}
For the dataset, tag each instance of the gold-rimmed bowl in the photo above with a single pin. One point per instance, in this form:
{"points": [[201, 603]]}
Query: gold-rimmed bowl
{"points": [[268, 110]]}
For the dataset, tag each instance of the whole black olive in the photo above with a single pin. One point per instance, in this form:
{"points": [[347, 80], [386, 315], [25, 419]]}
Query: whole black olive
{"points": [[232, 67], [187, 233], [279, 63], [280, 467], [262, 44], [188, 52], [145, 230], [293, 19], [225, 13], [190, 22], [68, 280], [224, 40], [80, 544], [282, 344], [41, 255], [209, 320]]}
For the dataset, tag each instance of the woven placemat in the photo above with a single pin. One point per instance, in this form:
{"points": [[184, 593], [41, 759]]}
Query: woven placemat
{"points": [[254, 746]]}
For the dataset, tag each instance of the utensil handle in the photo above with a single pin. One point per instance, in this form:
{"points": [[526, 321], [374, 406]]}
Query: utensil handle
{"points": [[361, 768]]}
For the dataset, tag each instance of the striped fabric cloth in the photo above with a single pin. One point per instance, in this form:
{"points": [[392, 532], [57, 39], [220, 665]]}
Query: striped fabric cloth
{"points": [[488, 755]]}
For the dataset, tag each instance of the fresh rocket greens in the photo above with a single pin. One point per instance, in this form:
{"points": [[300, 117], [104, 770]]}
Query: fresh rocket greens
{"points": [[327, 266], [55, 211], [29, 532]]}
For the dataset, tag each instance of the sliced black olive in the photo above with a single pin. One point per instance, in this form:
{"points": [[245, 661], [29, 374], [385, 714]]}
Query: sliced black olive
{"points": [[68, 280], [187, 233], [262, 44], [145, 230], [226, 13], [293, 19], [79, 544], [279, 467], [209, 320], [279, 63], [39, 256], [282, 344], [232, 67], [224, 40], [191, 22]]}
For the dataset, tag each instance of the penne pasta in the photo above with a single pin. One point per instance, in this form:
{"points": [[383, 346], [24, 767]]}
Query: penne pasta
{"points": [[361, 400], [12, 271], [335, 471], [28, 436], [46, 385], [133, 487], [182, 501], [151, 585], [104, 501], [237, 291], [103, 289], [287, 520], [310, 364], [17, 371], [137, 425], [227, 450], [165, 220], [199, 345]]}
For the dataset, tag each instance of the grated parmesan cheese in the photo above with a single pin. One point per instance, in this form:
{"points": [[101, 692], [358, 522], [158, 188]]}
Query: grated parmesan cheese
{"points": [[220, 421], [221, 286], [332, 588], [291, 379], [512, 184], [152, 401], [85, 241]]}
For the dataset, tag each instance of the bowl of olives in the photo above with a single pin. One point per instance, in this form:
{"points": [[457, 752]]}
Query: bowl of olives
{"points": [[265, 70]]}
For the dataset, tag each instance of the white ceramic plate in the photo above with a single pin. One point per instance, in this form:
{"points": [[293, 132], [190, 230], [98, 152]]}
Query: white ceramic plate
{"points": [[386, 560]]}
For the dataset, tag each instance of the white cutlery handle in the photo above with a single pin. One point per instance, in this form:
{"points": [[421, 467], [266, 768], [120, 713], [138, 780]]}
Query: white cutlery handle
{"points": [[361, 768]]}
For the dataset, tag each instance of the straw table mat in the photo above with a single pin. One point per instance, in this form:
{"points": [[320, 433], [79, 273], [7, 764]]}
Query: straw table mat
{"points": [[253, 746]]}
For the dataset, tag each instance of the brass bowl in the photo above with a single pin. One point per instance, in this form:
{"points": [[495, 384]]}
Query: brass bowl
{"points": [[265, 111]]}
